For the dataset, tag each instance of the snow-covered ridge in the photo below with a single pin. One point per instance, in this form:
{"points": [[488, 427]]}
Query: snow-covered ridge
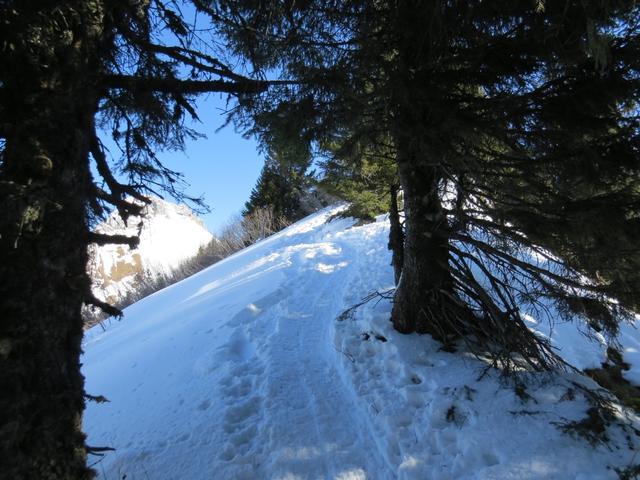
{"points": [[169, 235], [244, 371]]}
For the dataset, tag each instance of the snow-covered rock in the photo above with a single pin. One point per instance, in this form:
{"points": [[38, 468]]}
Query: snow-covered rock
{"points": [[169, 235], [248, 370]]}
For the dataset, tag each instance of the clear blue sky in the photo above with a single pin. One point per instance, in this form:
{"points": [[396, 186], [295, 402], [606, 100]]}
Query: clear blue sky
{"points": [[223, 167]]}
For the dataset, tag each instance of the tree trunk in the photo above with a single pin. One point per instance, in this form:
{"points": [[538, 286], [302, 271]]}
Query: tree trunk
{"points": [[48, 79], [421, 303], [396, 235], [425, 300]]}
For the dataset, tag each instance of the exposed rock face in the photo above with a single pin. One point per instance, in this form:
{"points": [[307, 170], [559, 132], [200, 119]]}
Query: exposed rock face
{"points": [[169, 235]]}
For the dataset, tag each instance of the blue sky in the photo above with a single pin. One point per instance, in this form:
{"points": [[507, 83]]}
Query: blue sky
{"points": [[223, 167]]}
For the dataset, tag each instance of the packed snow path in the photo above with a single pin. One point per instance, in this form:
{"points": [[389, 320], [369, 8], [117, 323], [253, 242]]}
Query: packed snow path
{"points": [[287, 411], [244, 372], [272, 403]]}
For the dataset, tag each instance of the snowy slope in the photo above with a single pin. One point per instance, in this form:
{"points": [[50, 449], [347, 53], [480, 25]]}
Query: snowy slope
{"points": [[244, 371], [169, 235]]}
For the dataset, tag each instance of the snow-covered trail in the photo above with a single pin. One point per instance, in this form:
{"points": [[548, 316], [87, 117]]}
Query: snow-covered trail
{"points": [[244, 371], [270, 401], [297, 411]]}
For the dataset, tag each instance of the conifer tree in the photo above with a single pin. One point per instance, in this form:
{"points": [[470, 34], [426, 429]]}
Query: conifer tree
{"points": [[364, 175], [283, 178], [515, 131], [68, 68], [274, 192]]}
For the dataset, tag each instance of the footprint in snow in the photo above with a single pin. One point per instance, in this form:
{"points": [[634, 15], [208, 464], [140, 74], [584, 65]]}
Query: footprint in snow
{"points": [[239, 349], [243, 404]]}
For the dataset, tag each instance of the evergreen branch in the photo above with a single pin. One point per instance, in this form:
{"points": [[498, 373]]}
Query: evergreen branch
{"points": [[188, 57], [118, 190], [103, 239], [528, 267], [178, 86], [125, 208], [96, 398], [99, 451], [104, 306]]}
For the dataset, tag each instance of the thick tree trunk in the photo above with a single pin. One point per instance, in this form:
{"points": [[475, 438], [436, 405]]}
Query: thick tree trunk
{"points": [[48, 80], [425, 300], [421, 301]]}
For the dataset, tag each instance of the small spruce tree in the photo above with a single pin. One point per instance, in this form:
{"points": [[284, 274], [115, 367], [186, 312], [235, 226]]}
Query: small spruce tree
{"points": [[284, 178]]}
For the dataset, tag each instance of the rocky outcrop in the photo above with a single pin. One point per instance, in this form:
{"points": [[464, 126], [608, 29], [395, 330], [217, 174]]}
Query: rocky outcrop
{"points": [[169, 235]]}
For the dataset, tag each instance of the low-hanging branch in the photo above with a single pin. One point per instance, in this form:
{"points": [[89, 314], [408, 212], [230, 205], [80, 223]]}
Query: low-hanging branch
{"points": [[104, 239], [492, 227], [528, 267], [505, 328], [178, 86], [126, 209], [188, 57], [118, 190], [104, 306]]}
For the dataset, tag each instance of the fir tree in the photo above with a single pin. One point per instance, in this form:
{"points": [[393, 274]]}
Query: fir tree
{"points": [[67, 69], [364, 175], [283, 178], [274, 192], [515, 130]]}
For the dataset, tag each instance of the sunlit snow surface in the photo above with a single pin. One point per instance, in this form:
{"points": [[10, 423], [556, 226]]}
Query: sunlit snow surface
{"points": [[169, 235], [243, 372]]}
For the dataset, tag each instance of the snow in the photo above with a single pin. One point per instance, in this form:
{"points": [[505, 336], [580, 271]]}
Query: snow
{"points": [[630, 340], [245, 371], [169, 235], [577, 345]]}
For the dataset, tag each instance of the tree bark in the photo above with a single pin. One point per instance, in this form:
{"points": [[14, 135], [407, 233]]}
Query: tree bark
{"points": [[396, 235], [48, 87], [424, 300], [421, 303]]}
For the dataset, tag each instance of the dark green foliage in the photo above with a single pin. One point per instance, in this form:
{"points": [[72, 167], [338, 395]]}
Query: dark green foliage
{"points": [[360, 167], [365, 184], [273, 191], [282, 182], [285, 177], [515, 132], [68, 68]]}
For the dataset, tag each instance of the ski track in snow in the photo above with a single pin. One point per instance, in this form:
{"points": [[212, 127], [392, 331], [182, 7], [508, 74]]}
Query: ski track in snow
{"points": [[243, 372]]}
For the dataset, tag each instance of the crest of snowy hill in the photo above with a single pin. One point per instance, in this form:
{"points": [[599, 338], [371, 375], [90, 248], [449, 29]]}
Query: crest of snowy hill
{"points": [[169, 235], [250, 369]]}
